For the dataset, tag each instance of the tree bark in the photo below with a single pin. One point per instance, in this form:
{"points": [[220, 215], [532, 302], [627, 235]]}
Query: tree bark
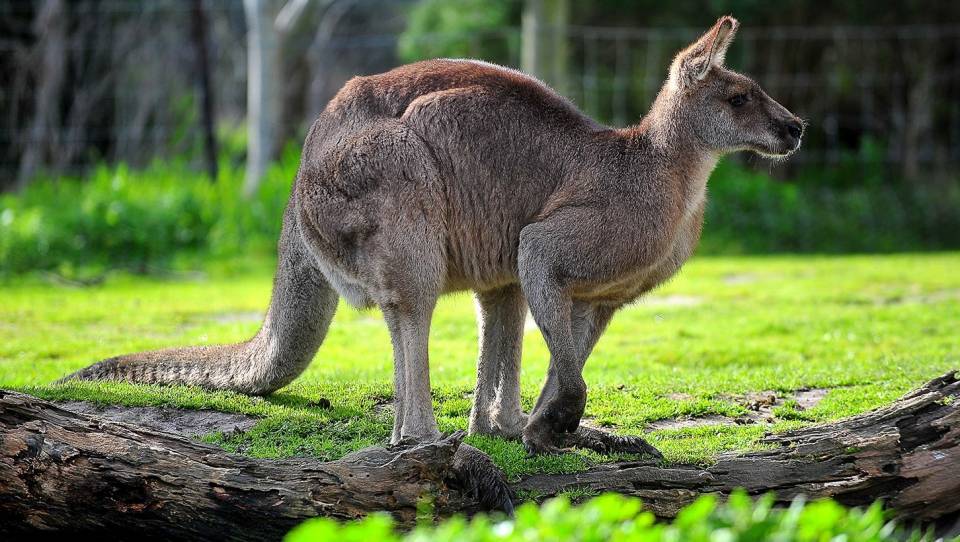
{"points": [[65, 471], [199, 34], [263, 59]]}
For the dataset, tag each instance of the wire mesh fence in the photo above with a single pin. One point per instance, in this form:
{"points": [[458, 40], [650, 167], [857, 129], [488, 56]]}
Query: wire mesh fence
{"points": [[115, 81]]}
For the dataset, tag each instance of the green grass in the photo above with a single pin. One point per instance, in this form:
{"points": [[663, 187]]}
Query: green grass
{"points": [[868, 328]]}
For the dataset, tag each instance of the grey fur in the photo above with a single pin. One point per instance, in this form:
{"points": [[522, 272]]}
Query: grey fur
{"points": [[450, 175]]}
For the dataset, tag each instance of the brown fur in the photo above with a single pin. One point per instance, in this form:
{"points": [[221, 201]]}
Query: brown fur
{"points": [[450, 175]]}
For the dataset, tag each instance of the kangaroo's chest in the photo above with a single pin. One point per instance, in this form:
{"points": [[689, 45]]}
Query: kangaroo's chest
{"points": [[633, 284], [685, 239]]}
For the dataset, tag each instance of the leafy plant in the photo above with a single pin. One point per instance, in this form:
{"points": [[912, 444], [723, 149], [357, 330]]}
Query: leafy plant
{"points": [[443, 29], [748, 212], [615, 517], [118, 217]]}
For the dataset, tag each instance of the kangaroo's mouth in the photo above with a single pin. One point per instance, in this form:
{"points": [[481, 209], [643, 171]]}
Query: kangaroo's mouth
{"points": [[776, 155], [782, 152]]}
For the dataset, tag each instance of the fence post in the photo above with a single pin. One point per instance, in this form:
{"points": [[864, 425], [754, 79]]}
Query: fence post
{"points": [[544, 48], [262, 81]]}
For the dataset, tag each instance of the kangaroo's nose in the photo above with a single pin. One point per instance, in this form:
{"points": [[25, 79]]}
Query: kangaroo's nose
{"points": [[794, 128]]}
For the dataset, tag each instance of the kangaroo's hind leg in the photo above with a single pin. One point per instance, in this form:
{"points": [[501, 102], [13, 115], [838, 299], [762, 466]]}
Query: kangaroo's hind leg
{"points": [[405, 267], [399, 376], [554, 257], [410, 331], [388, 237], [496, 401], [589, 321], [408, 295]]}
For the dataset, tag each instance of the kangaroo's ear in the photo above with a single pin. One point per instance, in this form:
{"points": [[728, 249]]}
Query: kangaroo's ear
{"points": [[693, 63]]}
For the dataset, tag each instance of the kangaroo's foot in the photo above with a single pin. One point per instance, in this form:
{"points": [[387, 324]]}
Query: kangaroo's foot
{"points": [[584, 437], [547, 426], [514, 425], [506, 424], [608, 443], [539, 441], [412, 434]]}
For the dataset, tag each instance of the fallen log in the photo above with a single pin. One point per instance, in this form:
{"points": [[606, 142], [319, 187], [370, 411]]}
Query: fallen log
{"points": [[906, 453], [65, 471]]}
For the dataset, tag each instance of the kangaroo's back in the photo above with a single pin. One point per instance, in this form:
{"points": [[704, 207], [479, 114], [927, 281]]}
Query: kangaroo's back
{"points": [[390, 94], [477, 147]]}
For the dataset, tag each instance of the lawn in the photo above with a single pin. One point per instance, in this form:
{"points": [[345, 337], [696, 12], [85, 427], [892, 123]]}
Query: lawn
{"points": [[859, 330]]}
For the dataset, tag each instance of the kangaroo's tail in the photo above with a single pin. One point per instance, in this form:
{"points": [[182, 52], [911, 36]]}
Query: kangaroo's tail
{"points": [[302, 305]]}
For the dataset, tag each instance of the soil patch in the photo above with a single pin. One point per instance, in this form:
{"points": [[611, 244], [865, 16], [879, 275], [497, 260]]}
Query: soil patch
{"points": [[760, 408]]}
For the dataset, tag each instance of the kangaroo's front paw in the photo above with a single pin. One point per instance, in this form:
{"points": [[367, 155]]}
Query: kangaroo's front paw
{"points": [[563, 413]]}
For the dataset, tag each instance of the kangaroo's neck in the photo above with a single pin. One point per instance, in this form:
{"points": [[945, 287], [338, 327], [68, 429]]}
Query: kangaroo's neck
{"points": [[680, 158]]}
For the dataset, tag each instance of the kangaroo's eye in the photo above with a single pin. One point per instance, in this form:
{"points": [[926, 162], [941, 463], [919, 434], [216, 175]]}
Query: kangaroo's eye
{"points": [[738, 100]]}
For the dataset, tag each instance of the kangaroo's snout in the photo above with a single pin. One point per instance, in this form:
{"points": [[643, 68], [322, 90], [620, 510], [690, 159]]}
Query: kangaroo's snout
{"points": [[794, 128], [791, 130]]}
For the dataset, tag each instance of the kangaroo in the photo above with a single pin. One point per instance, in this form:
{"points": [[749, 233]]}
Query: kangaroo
{"points": [[449, 175]]}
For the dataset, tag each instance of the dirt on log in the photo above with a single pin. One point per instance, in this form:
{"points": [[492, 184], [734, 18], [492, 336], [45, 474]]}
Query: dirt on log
{"points": [[65, 471]]}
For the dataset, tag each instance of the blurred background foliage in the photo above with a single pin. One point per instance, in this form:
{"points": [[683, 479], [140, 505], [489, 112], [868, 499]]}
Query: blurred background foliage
{"points": [[127, 126]]}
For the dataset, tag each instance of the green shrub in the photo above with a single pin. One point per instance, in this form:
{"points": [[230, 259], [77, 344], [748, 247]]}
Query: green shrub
{"points": [[618, 518], [748, 212], [117, 217], [443, 29]]}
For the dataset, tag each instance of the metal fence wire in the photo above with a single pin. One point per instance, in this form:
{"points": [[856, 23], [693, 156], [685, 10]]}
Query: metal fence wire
{"points": [[86, 82]]}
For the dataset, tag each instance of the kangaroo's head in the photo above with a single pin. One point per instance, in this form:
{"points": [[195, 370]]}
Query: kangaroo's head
{"points": [[724, 110]]}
